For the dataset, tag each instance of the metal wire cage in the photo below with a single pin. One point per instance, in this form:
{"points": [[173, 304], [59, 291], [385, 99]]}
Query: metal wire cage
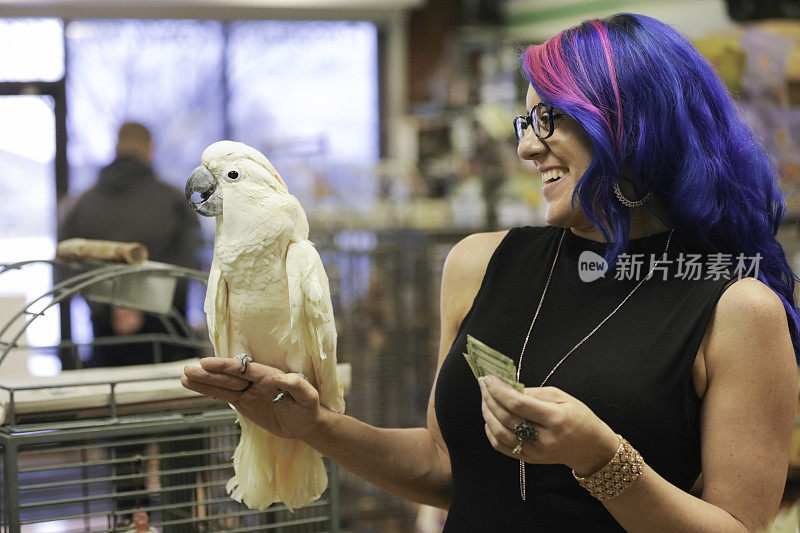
{"points": [[172, 467], [385, 292], [103, 467]]}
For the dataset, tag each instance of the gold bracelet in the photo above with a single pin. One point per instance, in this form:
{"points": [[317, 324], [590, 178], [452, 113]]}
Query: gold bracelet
{"points": [[619, 474]]}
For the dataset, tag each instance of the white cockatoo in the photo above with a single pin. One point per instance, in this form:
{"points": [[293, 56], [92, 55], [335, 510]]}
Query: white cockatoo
{"points": [[267, 297]]}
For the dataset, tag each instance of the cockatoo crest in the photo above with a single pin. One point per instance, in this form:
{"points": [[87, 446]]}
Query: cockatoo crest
{"points": [[224, 157]]}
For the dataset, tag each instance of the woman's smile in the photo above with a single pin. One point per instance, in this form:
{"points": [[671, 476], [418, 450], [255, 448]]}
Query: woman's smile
{"points": [[552, 175], [551, 184]]}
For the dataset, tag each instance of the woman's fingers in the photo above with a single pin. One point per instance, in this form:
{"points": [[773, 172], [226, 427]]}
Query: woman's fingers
{"points": [[233, 367], [499, 412], [226, 381], [527, 406], [547, 394], [213, 391], [298, 388], [503, 408], [492, 438], [500, 431], [226, 373]]}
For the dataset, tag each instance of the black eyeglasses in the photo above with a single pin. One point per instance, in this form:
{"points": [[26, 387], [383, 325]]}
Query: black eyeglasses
{"points": [[542, 117]]}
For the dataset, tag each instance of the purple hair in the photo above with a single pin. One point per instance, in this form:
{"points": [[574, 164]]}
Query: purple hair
{"points": [[658, 115]]}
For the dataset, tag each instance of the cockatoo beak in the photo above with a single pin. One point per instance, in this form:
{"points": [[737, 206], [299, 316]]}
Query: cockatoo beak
{"points": [[202, 192]]}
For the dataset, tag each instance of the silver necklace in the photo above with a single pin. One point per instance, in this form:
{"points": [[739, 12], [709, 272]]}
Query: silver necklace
{"points": [[522, 492]]}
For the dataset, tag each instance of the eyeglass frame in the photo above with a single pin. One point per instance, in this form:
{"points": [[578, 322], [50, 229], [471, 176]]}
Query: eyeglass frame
{"points": [[530, 122]]}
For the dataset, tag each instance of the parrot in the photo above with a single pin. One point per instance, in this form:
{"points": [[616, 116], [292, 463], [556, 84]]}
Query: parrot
{"points": [[267, 300]]}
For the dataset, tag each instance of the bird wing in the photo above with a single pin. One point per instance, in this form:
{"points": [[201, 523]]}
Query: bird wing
{"points": [[312, 321], [216, 308]]}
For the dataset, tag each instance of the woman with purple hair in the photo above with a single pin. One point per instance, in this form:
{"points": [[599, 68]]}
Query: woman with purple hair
{"points": [[652, 322]]}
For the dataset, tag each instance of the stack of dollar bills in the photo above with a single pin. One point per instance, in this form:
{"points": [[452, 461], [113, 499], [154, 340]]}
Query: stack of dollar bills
{"points": [[486, 361]]}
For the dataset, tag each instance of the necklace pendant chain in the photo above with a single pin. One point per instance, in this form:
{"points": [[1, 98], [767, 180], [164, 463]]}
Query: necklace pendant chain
{"points": [[522, 491]]}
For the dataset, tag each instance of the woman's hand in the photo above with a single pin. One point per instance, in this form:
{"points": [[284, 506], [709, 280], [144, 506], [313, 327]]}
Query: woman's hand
{"points": [[252, 393], [569, 432]]}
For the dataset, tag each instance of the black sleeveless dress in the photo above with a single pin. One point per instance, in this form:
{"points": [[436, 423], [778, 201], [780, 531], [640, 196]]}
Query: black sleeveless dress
{"points": [[635, 373]]}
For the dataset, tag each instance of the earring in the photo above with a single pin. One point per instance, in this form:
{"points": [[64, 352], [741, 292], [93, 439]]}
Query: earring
{"points": [[630, 203]]}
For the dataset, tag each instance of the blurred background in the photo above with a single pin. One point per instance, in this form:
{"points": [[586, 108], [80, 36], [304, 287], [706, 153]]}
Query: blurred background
{"points": [[389, 120]]}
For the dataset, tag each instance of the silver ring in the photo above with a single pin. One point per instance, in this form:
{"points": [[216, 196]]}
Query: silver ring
{"points": [[525, 432], [244, 359], [517, 449]]}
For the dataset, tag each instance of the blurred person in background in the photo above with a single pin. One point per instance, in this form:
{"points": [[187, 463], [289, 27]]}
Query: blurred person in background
{"points": [[130, 203], [658, 402]]}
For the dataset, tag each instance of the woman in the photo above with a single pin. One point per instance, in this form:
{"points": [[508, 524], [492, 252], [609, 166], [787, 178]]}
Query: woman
{"points": [[687, 383]]}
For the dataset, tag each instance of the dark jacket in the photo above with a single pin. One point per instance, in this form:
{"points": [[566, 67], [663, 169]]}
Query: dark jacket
{"points": [[129, 203]]}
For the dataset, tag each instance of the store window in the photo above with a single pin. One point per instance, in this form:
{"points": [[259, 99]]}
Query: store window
{"points": [[31, 49], [306, 94], [166, 74]]}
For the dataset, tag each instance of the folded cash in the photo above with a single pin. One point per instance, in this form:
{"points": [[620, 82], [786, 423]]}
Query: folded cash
{"points": [[486, 361], [472, 365]]}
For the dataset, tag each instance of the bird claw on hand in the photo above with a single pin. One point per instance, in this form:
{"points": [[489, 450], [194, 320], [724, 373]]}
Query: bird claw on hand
{"points": [[283, 393], [244, 359]]}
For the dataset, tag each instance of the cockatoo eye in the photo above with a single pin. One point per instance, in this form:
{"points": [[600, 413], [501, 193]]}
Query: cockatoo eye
{"points": [[233, 175]]}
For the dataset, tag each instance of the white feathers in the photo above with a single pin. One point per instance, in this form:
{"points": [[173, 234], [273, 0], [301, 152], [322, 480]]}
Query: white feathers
{"points": [[215, 306], [268, 296], [312, 319]]}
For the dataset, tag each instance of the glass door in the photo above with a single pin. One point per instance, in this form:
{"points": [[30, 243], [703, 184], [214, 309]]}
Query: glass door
{"points": [[32, 118], [27, 223]]}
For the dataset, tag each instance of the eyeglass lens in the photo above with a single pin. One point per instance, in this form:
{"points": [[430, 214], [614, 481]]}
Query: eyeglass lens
{"points": [[540, 117]]}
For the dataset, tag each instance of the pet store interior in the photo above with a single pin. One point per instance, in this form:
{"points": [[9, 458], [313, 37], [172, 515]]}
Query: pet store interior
{"points": [[390, 122]]}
